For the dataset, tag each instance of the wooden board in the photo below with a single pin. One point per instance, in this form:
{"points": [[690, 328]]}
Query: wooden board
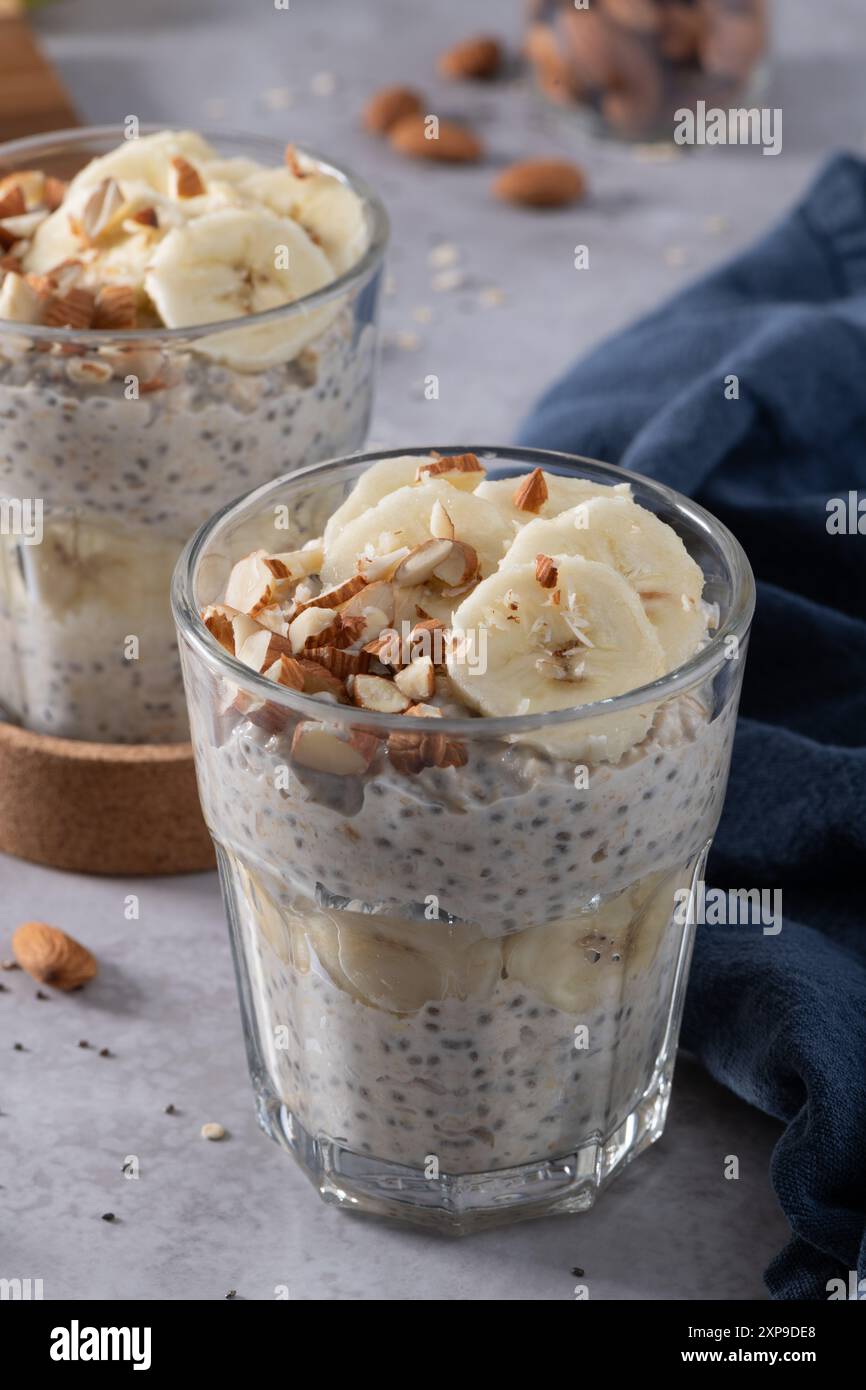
{"points": [[32, 97]]}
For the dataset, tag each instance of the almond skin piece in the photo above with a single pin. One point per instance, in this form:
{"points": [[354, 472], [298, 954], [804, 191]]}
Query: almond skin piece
{"points": [[478, 57], [388, 106], [52, 957], [541, 183], [453, 145]]}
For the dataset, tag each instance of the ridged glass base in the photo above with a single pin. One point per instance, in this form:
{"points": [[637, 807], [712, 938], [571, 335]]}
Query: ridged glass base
{"points": [[459, 1204]]}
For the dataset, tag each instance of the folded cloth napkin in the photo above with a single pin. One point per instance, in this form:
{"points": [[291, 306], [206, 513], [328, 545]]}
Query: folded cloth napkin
{"points": [[781, 1019]]}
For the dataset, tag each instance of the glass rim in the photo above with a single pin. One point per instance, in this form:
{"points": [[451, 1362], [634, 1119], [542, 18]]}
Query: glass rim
{"points": [[105, 337], [690, 673]]}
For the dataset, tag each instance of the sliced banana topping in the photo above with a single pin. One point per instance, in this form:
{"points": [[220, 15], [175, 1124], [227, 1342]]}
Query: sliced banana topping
{"points": [[197, 238], [519, 501], [400, 522], [232, 264], [425, 598], [586, 639], [615, 531]]}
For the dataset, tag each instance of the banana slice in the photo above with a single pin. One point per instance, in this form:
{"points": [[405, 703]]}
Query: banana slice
{"points": [[147, 160], [327, 208], [582, 964], [399, 965], [561, 493], [228, 264], [615, 531], [375, 483], [583, 637], [402, 519]]}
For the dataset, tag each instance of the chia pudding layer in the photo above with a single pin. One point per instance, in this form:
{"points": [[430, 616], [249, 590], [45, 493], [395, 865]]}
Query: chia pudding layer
{"points": [[123, 484], [402, 1037], [466, 941], [126, 421]]}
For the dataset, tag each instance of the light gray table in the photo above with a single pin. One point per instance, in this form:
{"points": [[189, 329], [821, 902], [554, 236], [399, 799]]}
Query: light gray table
{"points": [[205, 1218]]}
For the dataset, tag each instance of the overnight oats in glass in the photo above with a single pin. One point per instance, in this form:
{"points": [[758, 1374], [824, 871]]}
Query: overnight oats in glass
{"points": [[462, 726], [180, 321]]}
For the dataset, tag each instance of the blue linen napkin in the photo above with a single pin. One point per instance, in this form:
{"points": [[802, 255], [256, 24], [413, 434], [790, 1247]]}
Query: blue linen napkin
{"points": [[781, 1019]]}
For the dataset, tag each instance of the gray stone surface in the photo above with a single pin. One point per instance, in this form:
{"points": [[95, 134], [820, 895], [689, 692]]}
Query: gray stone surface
{"points": [[204, 1218]]}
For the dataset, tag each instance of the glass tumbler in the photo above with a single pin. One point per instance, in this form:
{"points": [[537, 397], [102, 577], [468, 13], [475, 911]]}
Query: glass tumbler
{"points": [[461, 989], [629, 65], [115, 446]]}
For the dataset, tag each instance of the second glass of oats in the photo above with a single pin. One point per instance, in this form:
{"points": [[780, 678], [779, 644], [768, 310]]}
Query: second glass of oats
{"points": [[459, 916], [180, 319]]}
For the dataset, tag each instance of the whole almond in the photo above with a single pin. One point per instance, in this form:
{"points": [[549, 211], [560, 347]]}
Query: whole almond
{"points": [[479, 57], [52, 957], [451, 143], [541, 183], [386, 107]]}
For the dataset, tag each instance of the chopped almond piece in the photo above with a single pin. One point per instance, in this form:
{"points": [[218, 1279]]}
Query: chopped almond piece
{"points": [[20, 300], [187, 180], [531, 493], [268, 715], [340, 662], [459, 567], [417, 680], [294, 165], [261, 648], [218, 620], [441, 525], [318, 680], [378, 693], [72, 310], [411, 753], [252, 585], [286, 671], [53, 193], [115, 307], [146, 217], [340, 594], [461, 470], [13, 203], [309, 627], [546, 572], [421, 562], [100, 212], [323, 749]]}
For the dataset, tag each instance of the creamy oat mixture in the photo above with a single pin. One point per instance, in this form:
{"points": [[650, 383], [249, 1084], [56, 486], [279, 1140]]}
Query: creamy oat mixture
{"points": [[129, 445], [425, 918]]}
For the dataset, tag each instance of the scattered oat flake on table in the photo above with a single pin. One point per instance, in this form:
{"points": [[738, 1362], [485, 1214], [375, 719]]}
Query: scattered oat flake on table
{"points": [[446, 253], [661, 152], [445, 280], [422, 314], [277, 98], [491, 297], [324, 84], [717, 224], [409, 342], [212, 1131]]}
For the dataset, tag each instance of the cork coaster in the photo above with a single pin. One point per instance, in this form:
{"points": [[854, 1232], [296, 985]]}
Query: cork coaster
{"points": [[100, 808]]}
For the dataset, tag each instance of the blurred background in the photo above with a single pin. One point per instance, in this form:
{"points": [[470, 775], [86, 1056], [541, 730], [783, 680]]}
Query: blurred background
{"points": [[483, 294]]}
